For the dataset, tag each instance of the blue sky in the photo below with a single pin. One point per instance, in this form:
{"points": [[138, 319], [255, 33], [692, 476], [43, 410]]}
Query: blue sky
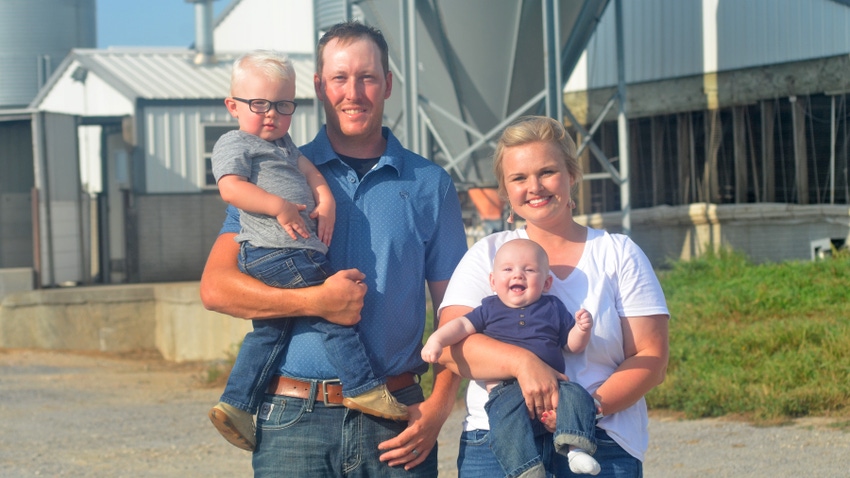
{"points": [[148, 22]]}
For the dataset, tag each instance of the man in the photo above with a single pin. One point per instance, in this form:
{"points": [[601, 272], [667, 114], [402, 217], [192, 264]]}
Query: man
{"points": [[398, 226]]}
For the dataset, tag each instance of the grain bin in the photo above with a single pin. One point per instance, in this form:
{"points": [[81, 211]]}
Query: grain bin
{"points": [[35, 35]]}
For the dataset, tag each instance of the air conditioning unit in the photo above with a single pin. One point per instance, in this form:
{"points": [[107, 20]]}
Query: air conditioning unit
{"points": [[823, 248]]}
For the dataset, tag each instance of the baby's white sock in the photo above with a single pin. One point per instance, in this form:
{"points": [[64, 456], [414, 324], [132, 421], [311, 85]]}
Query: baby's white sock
{"points": [[581, 462]]}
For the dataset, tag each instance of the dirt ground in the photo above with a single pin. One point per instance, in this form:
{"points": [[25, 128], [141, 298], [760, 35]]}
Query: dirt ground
{"points": [[96, 415]]}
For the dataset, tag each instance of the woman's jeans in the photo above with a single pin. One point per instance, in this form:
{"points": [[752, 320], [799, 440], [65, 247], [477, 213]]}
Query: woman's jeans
{"points": [[514, 437], [476, 459], [261, 349]]}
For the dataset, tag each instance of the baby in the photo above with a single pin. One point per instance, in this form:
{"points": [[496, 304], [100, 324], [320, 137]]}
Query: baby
{"points": [[520, 314]]}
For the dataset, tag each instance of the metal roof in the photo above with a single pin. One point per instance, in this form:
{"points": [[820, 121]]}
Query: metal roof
{"points": [[168, 74]]}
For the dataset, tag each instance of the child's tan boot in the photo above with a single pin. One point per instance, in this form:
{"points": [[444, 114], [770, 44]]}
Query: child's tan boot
{"points": [[235, 425], [378, 402]]}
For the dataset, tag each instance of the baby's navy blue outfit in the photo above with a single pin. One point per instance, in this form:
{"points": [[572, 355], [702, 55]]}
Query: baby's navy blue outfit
{"points": [[542, 328]]}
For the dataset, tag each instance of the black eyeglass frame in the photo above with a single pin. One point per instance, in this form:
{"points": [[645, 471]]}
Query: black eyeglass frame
{"points": [[268, 105]]}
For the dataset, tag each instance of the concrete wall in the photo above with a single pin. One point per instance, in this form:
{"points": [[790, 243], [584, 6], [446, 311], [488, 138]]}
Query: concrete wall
{"points": [[186, 331], [168, 318], [765, 232]]}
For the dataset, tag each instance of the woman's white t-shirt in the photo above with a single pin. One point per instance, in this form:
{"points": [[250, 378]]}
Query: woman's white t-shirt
{"points": [[613, 279]]}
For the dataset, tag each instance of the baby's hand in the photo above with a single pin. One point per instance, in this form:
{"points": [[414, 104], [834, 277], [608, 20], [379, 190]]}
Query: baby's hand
{"points": [[291, 221], [584, 321], [431, 351], [326, 214]]}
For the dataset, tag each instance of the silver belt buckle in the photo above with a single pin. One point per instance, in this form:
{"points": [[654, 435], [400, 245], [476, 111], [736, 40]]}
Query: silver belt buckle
{"points": [[324, 391]]}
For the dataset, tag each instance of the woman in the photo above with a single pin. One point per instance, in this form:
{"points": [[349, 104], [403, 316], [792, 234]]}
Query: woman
{"points": [[607, 274]]}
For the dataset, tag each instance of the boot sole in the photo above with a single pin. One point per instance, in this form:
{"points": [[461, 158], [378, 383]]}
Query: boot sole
{"points": [[228, 430]]}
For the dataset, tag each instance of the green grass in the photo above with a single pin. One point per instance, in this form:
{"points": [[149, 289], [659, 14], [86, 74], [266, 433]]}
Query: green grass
{"points": [[769, 342]]}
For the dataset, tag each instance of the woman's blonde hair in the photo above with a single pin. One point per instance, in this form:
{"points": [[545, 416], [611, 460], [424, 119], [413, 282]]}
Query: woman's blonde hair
{"points": [[533, 129]]}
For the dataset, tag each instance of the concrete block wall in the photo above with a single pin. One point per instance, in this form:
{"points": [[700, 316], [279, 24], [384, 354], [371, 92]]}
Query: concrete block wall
{"points": [[168, 318]]}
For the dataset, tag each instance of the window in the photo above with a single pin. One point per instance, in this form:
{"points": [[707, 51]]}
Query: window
{"points": [[211, 134]]}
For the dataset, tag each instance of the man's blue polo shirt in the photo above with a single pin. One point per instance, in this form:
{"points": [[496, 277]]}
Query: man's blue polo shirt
{"points": [[400, 225]]}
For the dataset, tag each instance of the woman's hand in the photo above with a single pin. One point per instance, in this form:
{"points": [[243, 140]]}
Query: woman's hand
{"points": [[539, 384]]}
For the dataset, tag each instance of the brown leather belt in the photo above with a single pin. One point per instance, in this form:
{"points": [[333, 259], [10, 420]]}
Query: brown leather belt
{"points": [[328, 392]]}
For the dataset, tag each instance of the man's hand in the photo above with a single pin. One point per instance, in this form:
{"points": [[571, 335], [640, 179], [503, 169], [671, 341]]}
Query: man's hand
{"points": [[344, 291], [412, 446]]}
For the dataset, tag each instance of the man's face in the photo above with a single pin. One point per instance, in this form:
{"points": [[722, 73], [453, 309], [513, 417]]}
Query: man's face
{"points": [[352, 86]]}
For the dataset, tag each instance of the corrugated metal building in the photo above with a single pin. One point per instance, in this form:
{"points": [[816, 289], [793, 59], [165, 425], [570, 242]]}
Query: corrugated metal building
{"points": [[667, 39], [34, 38], [286, 26], [147, 121], [118, 159], [171, 104], [735, 105]]}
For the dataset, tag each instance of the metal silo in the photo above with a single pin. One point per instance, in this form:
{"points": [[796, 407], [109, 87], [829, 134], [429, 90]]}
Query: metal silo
{"points": [[472, 65], [35, 36]]}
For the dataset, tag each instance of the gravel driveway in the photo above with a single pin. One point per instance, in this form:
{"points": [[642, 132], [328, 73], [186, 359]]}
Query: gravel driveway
{"points": [[92, 415]]}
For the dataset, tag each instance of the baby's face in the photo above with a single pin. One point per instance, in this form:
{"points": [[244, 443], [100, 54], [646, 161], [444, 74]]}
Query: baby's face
{"points": [[519, 278]]}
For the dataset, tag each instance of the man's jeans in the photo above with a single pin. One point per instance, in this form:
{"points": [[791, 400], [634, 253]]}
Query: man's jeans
{"points": [[476, 459], [305, 438], [513, 436], [261, 349]]}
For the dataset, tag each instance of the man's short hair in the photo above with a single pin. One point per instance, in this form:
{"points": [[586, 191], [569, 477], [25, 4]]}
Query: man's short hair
{"points": [[347, 32]]}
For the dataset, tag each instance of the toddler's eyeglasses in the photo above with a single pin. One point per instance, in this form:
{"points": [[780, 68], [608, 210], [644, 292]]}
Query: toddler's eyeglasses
{"points": [[260, 106]]}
